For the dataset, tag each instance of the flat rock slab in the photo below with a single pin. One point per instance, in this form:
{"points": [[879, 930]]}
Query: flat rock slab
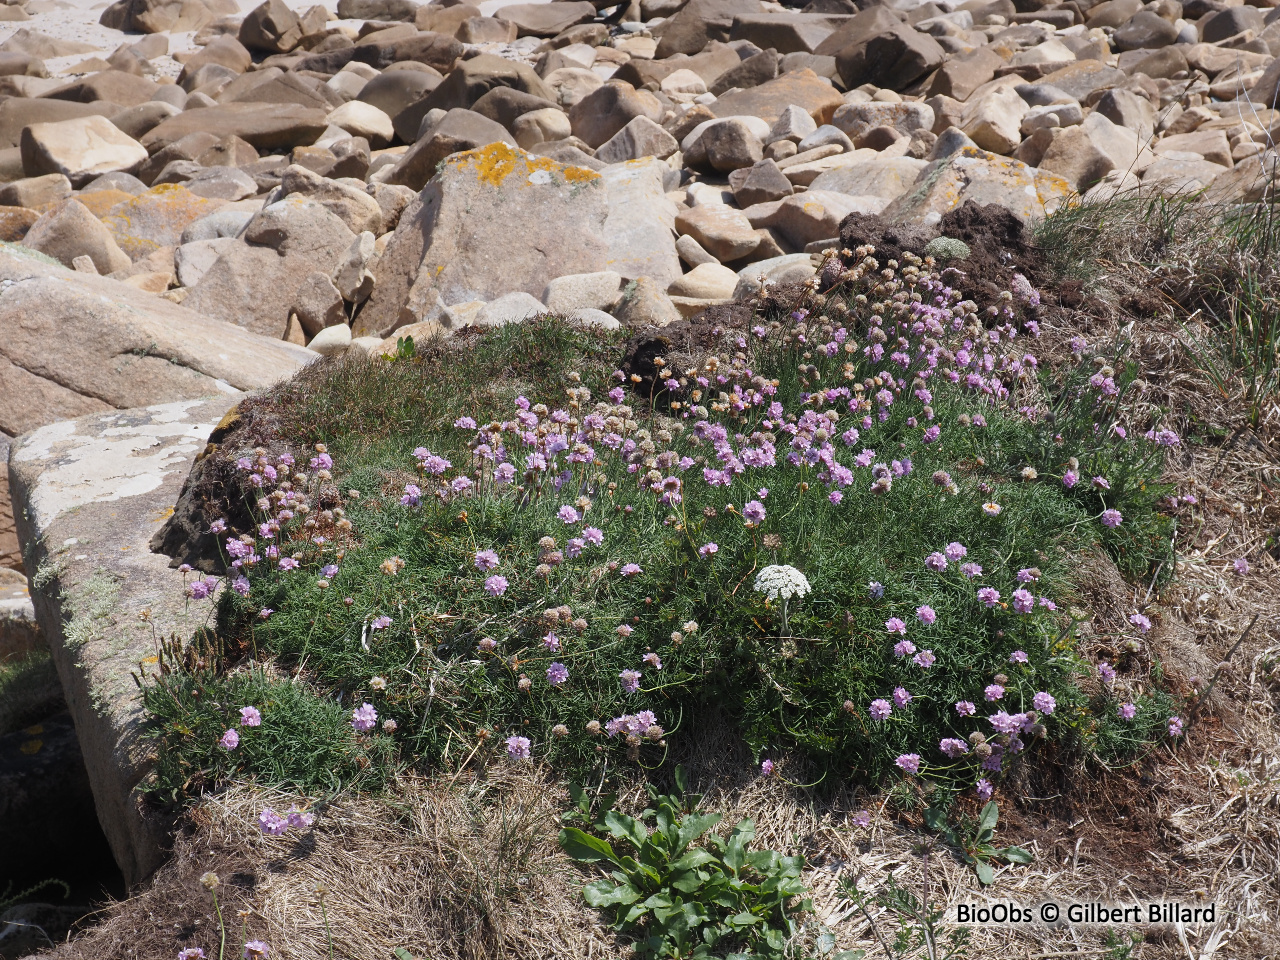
{"points": [[88, 495], [73, 344]]}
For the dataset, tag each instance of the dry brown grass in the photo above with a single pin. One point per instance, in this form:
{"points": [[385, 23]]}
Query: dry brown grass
{"points": [[468, 868]]}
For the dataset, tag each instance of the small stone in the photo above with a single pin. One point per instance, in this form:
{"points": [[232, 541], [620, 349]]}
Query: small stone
{"points": [[824, 135], [513, 308], [993, 120], [722, 231], [363, 120], [318, 304], [332, 341], [79, 149], [598, 291], [69, 231], [641, 137], [708, 281], [35, 191], [759, 183], [644, 303], [793, 124], [351, 276], [540, 126], [725, 145], [691, 251]]}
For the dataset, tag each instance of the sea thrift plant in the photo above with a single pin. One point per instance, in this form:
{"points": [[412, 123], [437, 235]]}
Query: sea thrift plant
{"points": [[837, 534]]}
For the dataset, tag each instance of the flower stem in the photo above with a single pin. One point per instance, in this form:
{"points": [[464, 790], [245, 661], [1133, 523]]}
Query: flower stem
{"points": [[222, 928]]}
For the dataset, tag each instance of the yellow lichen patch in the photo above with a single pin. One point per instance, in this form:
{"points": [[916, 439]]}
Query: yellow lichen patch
{"points": [[498, 161], [100, 202], [156, 218], [31, 747]]}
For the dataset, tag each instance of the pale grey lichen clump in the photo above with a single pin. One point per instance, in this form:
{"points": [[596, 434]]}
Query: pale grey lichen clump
{"points": [[946, 248]]}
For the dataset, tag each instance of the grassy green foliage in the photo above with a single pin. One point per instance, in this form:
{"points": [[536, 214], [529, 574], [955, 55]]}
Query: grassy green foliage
{"points": [[1214, 265], [855, 441], [682, 900]]}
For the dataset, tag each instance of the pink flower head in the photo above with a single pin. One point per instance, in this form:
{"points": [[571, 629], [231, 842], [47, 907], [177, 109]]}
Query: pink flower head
{"points": [[1101, 483], [989, 596], [971, 570], [1018, 656], [568, 514], [1005, 722], [1175, 726], [1127, 711], [380, 623], [926, 614], [904, 648], [496, 585], [1140, 621], [862, 819], [1240, 566], [623, 630], [631, 569], [880, 709], [766, 768], [256, 950], [1044, 702], [1070, 479], [593, 535], [955, 551], [486, 560], [551, 642], [901, 696], [191, 953], [953, 747], [1111, 518], [707, 550], [653, 660], [557, 674], [983, 789], [1107, 673], [250, 717], [229, 740], [298, 819], [965, 708], [924, 659], [753, 513], [1023, 601], [1028, 574], [271, 823], [936, 561], [518, 748], [894, 625], [364, 718], [630, 680], [993, 692], [910, 762]]}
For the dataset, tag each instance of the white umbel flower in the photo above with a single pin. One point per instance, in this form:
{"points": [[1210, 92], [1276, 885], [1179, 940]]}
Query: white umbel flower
{"points": [[781, 580]]}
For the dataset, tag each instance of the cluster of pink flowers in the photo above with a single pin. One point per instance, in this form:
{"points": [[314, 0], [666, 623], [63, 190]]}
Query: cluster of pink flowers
{"points": [[249, 717], [276, 825]]}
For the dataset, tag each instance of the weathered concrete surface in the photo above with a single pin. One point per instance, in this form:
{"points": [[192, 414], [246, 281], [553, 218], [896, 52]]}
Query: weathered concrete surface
{"points": [[88, 494]]}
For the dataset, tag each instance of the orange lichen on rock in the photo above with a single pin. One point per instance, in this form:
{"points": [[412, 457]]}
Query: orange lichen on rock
{"points": [[496, 162]]}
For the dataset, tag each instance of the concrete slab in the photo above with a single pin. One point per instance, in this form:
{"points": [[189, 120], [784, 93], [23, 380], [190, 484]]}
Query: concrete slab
{"points": [[88, 495]]}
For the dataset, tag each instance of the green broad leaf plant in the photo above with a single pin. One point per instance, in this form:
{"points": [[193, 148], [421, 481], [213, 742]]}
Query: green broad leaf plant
{"points": [[974, 844], [718, 898]]}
